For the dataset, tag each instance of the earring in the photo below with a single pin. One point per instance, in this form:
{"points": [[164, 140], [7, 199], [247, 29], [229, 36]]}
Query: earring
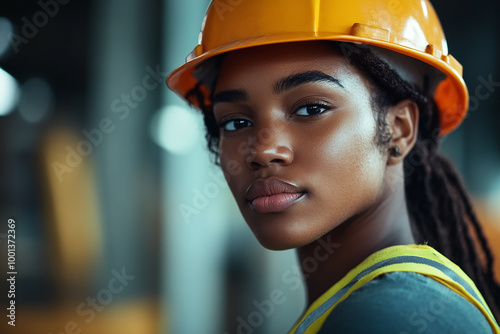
{"points": [[395, 151]]}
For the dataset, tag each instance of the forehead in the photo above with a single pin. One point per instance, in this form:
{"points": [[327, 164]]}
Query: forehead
{"points": [[273, 62]]}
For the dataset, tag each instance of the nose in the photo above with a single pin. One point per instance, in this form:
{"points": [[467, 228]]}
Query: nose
{"points": [[270, 148]]}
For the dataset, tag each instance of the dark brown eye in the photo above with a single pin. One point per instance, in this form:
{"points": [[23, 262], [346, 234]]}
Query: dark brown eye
{"points": [[311, 110], [235, 124]]}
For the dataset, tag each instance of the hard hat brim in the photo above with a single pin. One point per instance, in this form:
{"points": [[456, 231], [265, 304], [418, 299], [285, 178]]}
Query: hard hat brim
{"points": [[448, 92]]}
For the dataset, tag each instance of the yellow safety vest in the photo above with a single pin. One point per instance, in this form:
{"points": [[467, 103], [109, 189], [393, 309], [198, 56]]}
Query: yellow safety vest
{"points": [[419, 259]]}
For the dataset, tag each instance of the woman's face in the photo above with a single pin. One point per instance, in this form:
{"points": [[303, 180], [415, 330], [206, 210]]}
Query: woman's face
{"points": [[297, 141]]}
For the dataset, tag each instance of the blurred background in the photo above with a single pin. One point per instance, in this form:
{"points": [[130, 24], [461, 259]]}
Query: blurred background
{"points": [[122, 223]]}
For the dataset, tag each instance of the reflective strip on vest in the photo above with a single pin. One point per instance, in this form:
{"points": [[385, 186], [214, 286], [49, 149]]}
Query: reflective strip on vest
{"points": [[451, 278]]}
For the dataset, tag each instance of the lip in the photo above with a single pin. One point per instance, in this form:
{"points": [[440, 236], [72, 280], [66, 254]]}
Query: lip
{"points": [[272, 195]]}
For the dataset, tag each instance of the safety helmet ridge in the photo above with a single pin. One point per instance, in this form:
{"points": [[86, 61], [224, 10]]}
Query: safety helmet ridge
{"points": [[407, 27]]}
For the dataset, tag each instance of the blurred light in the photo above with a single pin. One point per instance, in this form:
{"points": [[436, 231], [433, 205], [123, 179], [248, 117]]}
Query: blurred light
{"points": [[9, 93], [176, 129], [36, 100], [5, 30]]}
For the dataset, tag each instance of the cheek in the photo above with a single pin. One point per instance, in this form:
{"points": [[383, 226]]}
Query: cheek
{"points": [[348, 166], [233, 164]]}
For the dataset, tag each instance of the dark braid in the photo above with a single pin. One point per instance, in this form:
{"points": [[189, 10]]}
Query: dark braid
{"points": [[440, 210]]}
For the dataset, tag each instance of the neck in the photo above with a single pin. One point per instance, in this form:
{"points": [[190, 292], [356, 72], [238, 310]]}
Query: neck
{"points": [[325, 261]]}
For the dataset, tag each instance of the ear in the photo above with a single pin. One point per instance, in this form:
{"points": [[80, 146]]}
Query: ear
{"points": [[403, 120]]}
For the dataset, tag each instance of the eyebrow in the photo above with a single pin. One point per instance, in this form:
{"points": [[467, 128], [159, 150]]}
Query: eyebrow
{"points": [[298, 79], [235, 95], [292, 81]]}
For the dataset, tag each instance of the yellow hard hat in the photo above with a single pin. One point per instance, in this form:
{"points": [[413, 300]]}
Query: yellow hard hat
{"points": [[408, 27]]}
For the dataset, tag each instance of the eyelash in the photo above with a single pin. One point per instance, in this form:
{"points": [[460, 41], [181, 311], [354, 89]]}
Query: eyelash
{"points": [[319, 105], [223, 123]]}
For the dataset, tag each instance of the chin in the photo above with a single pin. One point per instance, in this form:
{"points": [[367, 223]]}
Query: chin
{"points": [[276, 245], [282, 238]]}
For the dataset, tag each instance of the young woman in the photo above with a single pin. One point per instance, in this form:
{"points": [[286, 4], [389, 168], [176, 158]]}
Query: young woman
{"points": [[325, 117]]}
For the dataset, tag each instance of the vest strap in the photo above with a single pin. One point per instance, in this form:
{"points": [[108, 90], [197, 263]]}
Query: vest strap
{"points": [[410, 258]]}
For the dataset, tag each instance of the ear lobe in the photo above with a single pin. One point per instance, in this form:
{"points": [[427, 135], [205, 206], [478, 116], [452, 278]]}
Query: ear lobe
{"points": [[403, 120]]}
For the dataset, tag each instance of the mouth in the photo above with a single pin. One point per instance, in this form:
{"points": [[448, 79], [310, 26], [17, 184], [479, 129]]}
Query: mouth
{"points": [[272, 195]]}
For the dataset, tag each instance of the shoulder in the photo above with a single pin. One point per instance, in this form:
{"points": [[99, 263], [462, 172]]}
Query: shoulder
{"points": [[402, 303]]}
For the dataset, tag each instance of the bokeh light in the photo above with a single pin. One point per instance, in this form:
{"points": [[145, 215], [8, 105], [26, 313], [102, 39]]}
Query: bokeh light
{"points": [[37, 99], [176, 129], [9, 93]]}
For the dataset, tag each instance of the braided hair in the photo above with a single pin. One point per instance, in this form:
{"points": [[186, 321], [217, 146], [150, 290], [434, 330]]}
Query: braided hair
{"points": [[439, 208]]}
